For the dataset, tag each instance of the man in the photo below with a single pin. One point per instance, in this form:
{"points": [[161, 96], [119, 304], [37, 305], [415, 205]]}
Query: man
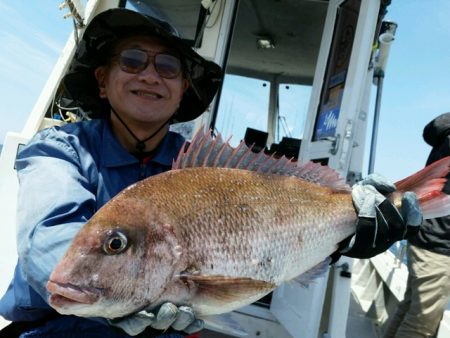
{"points": [[428, 259], [134, 74]]}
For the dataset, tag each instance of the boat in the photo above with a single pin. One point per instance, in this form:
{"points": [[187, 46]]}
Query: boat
{"points": [[299, 78]]}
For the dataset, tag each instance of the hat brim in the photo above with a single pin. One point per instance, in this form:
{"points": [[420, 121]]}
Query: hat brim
{"points": [[112, 25]]}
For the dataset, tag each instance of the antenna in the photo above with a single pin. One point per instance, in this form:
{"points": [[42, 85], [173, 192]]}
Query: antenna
{"points": [[76, 11], [385, 39]]}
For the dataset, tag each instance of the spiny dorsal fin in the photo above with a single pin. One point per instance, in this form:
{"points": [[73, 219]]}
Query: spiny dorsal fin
{"points": [[206, 151]]}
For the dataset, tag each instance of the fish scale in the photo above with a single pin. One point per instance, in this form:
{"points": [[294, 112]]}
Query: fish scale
{"points": [[275, 208]]}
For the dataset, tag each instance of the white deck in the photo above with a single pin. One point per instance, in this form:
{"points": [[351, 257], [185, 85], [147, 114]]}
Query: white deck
{"points": [[358, 326]]}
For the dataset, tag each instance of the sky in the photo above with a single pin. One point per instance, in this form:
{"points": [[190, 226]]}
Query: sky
{"points": [[416, 86], [32, 35]]}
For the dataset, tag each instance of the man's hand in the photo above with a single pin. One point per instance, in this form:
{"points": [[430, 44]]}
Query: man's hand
{"points": [[168, 315], [379, 223]]}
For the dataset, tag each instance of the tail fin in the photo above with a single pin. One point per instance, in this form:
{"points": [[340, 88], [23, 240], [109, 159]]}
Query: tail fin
{"points": [[428, 184]]}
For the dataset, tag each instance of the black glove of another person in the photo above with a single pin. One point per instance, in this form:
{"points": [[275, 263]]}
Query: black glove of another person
{"points": [[380, 223]]}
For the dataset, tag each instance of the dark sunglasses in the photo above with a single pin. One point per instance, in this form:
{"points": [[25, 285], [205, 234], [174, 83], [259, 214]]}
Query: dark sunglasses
{"points": [[136, 60]]}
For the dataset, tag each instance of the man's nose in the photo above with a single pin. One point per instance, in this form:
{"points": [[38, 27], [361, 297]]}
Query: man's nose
{"points": [[150, 72]]}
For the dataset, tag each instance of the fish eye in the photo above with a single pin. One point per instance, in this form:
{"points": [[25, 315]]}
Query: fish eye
{"points": [[116, 242]]}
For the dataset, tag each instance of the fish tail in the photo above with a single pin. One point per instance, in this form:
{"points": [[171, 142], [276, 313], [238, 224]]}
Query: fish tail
{"points": [[431, 187]]}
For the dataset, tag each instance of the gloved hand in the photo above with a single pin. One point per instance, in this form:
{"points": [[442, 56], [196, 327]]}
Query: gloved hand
{"points": [[380, 224], [168, 315]]}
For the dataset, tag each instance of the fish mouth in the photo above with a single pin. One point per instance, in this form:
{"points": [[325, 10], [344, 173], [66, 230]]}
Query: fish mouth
{"points": [[64, 294]]}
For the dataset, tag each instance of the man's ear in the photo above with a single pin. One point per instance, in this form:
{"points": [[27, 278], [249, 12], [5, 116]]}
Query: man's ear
{"points": [[185, 85], [100, 75]]}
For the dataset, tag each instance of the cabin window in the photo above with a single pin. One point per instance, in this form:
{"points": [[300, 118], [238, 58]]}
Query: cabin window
{"points": [[292, 109], [244, 103], [269, 72]]}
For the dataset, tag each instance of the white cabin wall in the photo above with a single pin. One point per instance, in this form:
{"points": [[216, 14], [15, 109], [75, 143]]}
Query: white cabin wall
{"points": [[214, 46]]}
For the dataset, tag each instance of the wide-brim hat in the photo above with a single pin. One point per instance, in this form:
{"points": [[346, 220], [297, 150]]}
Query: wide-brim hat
{"points": [[102, 34]]}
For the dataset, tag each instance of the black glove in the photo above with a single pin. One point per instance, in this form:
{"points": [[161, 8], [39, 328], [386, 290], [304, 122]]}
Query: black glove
{"points": [[380, 224]]}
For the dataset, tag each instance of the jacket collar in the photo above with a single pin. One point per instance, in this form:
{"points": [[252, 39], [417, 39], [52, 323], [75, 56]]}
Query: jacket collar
{"points": [[114, 154]]}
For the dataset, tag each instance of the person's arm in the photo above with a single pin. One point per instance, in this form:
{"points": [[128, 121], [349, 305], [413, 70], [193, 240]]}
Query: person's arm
{"points": [[379, 223], [56, 198], [54, 202]]}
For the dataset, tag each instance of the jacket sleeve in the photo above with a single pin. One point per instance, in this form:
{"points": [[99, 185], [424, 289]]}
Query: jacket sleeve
{"points": [[55, 199]]}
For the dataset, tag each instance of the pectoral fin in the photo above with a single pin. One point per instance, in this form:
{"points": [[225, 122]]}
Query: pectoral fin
{"points": [[220, 294]]}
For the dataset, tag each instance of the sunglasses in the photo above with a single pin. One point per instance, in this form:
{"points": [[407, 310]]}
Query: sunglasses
{"points": [[134, 61]]}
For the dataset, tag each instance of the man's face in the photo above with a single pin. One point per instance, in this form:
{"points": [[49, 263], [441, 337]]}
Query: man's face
{"points": [[143, 97]]}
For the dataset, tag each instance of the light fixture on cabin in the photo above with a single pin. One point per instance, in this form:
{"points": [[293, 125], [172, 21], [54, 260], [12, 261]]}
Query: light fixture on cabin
{"points": [[265, 42]]}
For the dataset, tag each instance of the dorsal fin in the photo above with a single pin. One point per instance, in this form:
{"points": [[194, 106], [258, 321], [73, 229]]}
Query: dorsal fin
{"points": [[206, 151]]}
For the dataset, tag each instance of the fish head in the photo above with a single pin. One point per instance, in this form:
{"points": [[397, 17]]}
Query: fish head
{"points": [[117, 264]]}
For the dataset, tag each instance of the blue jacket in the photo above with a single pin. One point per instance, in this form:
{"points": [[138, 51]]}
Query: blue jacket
{"points": [[66, 174]]}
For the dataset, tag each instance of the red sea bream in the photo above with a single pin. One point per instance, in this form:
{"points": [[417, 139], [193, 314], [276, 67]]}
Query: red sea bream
{"points": [[222, 229]]}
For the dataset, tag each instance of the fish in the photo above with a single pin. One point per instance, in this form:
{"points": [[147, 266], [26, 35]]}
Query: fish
{"points": [[221, 229]]}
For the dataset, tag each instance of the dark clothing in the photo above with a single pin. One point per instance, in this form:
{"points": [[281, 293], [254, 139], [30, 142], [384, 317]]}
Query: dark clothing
{"points": [[434, 234], [428, 257], [75, 327]]}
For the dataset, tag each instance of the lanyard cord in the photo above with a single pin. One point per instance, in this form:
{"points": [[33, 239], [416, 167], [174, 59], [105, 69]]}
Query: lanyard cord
{"points": [[140, 144]]}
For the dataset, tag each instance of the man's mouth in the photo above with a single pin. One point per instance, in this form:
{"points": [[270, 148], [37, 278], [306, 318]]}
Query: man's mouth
{"points": [[152, 95]]}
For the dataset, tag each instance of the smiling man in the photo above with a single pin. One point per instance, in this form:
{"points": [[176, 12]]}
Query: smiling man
{"points": [[134, 76]]}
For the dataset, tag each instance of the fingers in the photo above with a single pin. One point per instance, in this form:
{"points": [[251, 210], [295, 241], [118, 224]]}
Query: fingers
{"points": [[135, 324], [167, 314], [365, 199], [410, 209], [185, 318], [381, 183], [179, 318], [411, 214], [195, 326]]}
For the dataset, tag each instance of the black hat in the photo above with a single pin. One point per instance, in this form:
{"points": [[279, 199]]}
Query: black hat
{"points": [[105, 30], [437, 130]]}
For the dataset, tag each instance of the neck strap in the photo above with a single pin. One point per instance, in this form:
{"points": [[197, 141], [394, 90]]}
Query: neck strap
{"points": [[140, 144]]}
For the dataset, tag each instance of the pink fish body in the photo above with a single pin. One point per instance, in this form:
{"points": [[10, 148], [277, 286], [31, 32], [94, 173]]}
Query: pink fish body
{"points": [[213, 238]]}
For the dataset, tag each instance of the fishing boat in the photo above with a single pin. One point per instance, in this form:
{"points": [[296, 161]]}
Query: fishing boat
{"points": [[299, 75]]}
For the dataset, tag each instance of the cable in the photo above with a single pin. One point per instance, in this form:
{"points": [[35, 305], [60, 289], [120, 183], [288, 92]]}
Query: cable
{"points": [[218, 13]]}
